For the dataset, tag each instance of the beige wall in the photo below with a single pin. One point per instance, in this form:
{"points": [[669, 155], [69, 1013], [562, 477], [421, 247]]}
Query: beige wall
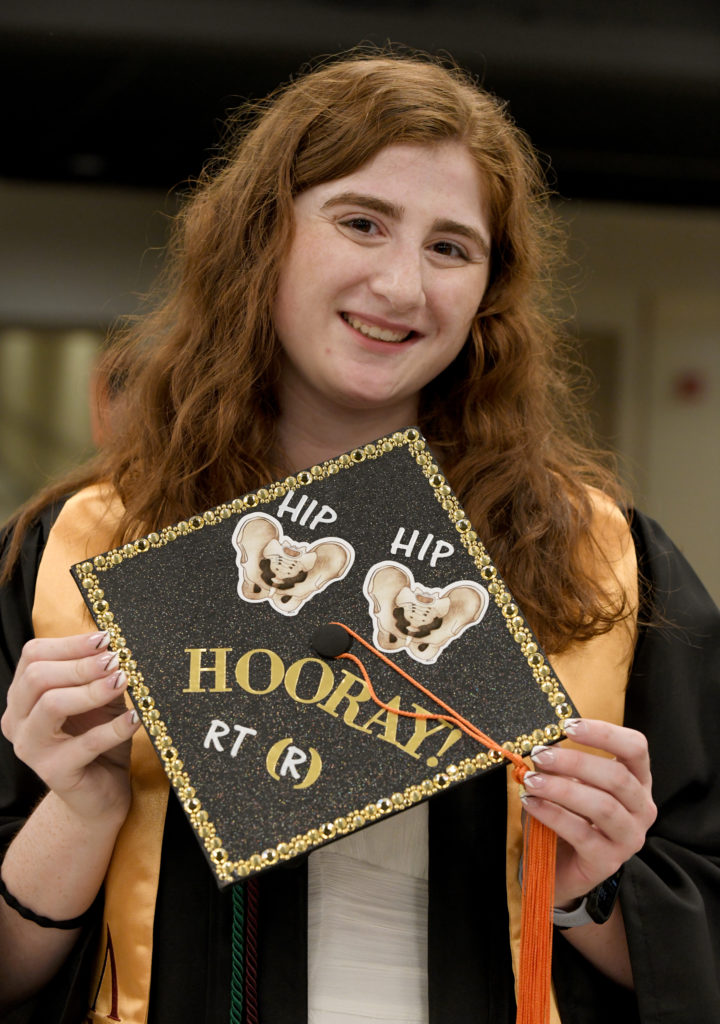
{"points": [[71, 260], [645, 293], [649, 280], [76, 255]]}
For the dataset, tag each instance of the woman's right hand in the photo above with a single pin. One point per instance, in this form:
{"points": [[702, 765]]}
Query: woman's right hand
{"points": [[67, 720]]}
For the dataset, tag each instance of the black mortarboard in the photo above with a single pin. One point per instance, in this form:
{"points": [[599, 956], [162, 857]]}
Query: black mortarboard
{"points": [[225, 626]]}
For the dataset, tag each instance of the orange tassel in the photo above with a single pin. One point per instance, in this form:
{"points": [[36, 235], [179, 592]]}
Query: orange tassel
{"points": [[536, 929]]}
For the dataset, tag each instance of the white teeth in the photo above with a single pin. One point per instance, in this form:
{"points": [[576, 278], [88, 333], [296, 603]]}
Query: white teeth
{"points": [[378, 333]]}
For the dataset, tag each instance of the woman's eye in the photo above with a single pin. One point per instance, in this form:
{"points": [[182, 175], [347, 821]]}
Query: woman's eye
{"points": [[451, 249], [362, 224]]}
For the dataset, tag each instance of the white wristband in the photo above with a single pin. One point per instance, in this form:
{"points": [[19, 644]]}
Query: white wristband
{"points": [[572, 918]]}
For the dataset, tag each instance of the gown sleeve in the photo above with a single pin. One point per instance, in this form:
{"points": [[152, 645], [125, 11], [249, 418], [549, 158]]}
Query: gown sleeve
{"points": [[65, 998], [20, 788], [670, 892]]}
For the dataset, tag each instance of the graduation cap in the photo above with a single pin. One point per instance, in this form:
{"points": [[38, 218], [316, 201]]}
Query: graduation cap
{"points": [[321, 653]]}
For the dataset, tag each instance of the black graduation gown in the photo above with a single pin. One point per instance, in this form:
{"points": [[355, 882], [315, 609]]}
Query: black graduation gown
{"points": [[670, 892]]}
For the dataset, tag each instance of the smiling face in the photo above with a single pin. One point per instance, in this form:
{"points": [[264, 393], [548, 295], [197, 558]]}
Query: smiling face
{"points": [[385, 273]]}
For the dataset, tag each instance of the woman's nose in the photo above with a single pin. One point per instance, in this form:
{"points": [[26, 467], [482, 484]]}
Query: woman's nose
{"points": [[399, 279]]}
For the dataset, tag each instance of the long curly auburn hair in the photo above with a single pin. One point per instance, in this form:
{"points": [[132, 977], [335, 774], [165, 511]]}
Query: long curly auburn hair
{"points": [[196, 421]]}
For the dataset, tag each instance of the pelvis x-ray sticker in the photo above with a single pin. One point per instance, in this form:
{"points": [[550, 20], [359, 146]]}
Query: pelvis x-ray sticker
{"points": [[275, 568], [421, 621]]}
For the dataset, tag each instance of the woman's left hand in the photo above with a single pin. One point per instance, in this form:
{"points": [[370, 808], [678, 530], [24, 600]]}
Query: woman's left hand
{"points": [[600, 807]]}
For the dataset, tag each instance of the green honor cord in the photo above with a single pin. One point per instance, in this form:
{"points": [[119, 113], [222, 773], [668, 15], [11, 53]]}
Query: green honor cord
{"points": [[237, 974]]}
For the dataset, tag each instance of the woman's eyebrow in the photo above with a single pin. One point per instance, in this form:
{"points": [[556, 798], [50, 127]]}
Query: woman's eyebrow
{"points": [[383, 206], [392, 210]]}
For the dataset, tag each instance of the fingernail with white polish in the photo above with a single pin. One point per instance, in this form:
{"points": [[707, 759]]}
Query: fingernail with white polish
{"points": [[571, 726], [112, 662], [119, 680], [99, 640], [134, 717], [533, 781], [542, 755]]}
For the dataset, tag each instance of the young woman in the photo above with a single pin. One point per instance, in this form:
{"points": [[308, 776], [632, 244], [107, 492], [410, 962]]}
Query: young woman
{"points": [[373, 251]]}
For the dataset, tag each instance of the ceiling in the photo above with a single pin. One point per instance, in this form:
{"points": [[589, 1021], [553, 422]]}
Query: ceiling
{"points": [[622, 97]]}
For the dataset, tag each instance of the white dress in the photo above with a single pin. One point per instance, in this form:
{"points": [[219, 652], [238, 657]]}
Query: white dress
{"points": [[367, 925]]}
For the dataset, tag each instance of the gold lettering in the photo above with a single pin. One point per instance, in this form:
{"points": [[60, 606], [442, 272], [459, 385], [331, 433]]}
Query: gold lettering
{"points": [[324, 686], [421, 732], [389, 721], [273, 756], [313, 773], [242, 671], [196, 667], [341, 693], [454, 736]]}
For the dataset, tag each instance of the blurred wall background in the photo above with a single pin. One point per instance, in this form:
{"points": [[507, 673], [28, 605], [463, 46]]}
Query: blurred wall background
{"points": [[111, 109]]}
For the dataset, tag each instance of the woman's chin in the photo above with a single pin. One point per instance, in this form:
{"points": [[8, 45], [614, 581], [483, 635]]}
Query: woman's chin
{"points": [[376, 399]]}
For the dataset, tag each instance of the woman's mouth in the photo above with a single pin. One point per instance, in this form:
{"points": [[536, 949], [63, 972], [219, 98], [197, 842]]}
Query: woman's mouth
{"points": [[375, 332]]}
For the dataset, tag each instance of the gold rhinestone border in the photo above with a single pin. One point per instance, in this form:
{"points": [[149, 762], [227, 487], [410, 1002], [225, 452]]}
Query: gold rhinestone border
{"points": [[227, 870]]}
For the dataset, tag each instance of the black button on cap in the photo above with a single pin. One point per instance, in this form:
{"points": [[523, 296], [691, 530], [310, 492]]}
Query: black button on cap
{"points": [[330, 641]]}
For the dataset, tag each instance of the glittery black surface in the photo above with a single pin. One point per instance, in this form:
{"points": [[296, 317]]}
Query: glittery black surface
{"points": [[183, 596]]}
